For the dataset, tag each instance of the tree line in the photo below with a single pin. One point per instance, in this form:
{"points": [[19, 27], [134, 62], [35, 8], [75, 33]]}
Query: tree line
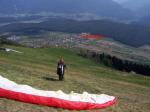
{"points": [[5, 41], [117, 63]]}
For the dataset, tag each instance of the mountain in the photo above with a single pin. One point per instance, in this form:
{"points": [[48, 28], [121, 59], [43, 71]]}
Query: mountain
{"points": [[103, 8], [131, 34], [144, 21], [140, 7]]}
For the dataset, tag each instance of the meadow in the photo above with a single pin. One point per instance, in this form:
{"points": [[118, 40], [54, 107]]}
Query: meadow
{"points": [[37, 68]]}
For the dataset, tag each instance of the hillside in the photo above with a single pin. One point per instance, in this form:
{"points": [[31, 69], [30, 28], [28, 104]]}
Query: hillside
{"points": [[131, 34], [114, 48], [72, 40], [102, 8], [37, 67], [130, 58]]}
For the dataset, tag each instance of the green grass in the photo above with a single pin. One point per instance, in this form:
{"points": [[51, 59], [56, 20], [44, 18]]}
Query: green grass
{"points": [[35, 66]]}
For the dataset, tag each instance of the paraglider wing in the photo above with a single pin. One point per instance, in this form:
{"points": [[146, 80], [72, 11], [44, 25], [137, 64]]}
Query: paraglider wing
{"points": [[73, 101]]}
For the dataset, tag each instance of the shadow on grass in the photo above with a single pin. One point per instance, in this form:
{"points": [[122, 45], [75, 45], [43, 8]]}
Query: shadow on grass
{"points": [[50, 79]]}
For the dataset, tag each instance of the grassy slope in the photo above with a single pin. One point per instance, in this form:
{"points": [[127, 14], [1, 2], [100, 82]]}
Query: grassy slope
{"points": [[37, 67]]}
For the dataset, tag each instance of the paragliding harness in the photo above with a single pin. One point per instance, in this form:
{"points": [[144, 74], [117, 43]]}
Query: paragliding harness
{"points": [[61, 70]]}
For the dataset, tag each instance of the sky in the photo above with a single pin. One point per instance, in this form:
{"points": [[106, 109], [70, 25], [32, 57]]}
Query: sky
{"points": [[120, 0]]}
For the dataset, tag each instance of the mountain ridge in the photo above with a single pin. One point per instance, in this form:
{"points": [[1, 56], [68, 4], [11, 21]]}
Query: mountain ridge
{"points": [[140, 7], [131, 34], [103, 8]]}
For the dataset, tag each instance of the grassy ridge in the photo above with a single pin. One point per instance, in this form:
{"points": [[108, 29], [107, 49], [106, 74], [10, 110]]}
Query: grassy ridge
{"points": [[37, 68]]}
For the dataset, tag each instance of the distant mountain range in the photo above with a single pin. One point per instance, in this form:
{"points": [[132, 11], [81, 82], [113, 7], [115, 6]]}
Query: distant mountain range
{"points": [[144, 21], [140, 7], [103, 8], [135, 35]]}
